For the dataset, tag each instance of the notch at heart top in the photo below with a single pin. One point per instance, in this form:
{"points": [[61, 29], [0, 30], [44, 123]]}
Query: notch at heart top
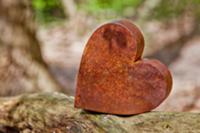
{"points": [[114, 79]]}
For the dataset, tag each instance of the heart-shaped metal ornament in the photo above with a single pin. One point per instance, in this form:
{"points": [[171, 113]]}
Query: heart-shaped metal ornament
{"points": [[114, 79]]}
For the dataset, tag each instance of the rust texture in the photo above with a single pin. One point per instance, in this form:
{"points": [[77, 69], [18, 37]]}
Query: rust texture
{"points": [[114, 79]]}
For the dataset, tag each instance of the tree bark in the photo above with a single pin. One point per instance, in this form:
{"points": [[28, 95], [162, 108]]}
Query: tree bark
{"points": [[55, 113], [21, 65]]}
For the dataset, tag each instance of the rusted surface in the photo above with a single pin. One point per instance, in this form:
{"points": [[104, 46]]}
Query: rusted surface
{"points": [[114, 79]]}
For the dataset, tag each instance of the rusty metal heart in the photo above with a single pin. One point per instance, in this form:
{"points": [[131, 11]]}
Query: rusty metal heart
{"points": [[114, 79]]}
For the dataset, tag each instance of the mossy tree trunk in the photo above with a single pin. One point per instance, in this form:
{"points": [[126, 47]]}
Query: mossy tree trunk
{"points": [[55, 113], [21, 65]]}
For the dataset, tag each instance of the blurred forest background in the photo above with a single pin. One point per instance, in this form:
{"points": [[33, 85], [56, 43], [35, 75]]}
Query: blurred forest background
{"points": [[41, 42]]}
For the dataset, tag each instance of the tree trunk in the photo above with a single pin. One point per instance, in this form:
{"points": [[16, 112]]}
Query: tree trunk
{"points": [[21, 65], [69, 7], [54, 113]]}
